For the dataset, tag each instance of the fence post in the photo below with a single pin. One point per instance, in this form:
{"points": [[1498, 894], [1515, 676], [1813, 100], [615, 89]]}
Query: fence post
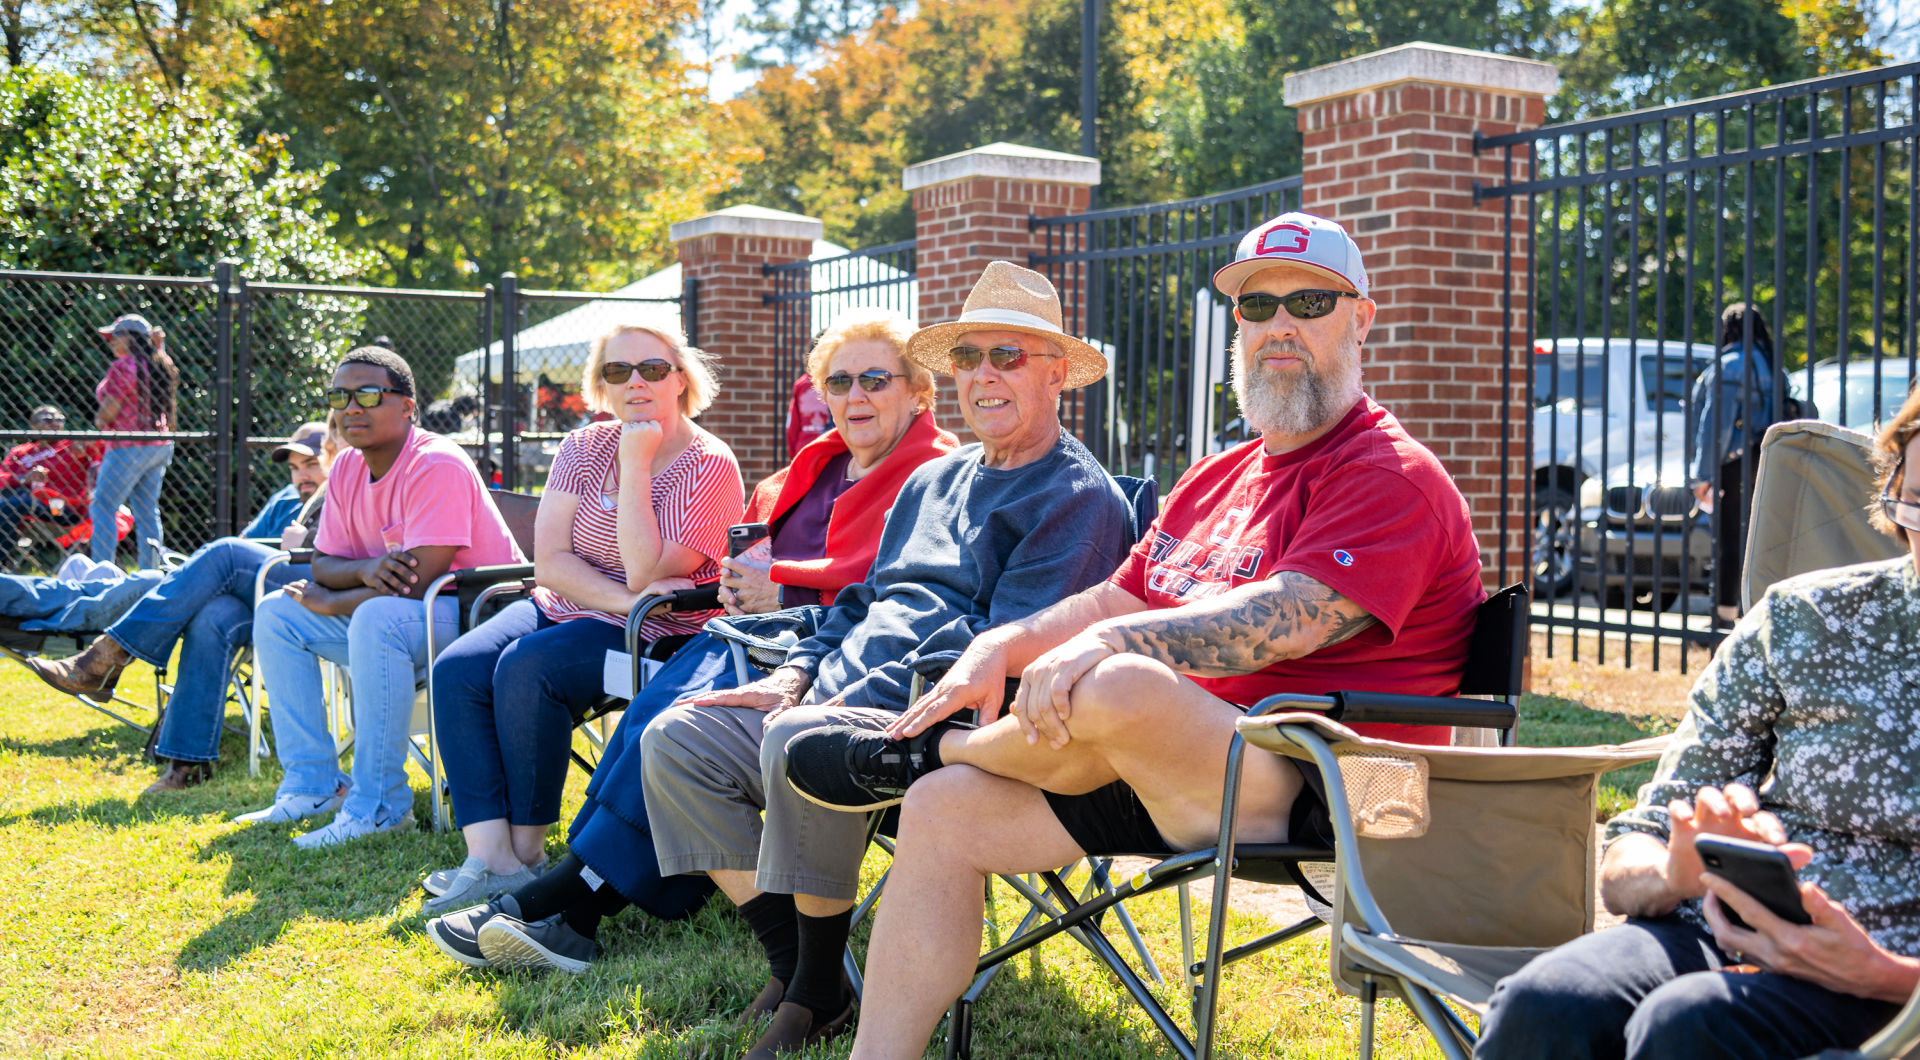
{"points": [[1388, 142], [976, 206], [509, 381], [487, 393], [225, 278], [723, 253]]}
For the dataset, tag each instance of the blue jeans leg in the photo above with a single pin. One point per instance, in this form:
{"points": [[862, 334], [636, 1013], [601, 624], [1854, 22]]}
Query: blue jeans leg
{"points": [[387, 649], [463, 705], [225, 567], [15, 503], [190, 729], [130, 475], [288, 643], [543, 680]]}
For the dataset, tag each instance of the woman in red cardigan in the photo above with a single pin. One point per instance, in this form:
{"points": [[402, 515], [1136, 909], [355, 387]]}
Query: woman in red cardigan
{"points": [[826, 510]]}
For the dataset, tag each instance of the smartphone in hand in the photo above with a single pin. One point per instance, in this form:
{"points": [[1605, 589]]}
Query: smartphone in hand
{"points": [[743, 536], [1760, 869]]}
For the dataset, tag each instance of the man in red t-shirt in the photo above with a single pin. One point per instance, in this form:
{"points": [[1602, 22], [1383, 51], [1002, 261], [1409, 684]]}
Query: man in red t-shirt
{"points": [[1333, 552], [45, 480]]}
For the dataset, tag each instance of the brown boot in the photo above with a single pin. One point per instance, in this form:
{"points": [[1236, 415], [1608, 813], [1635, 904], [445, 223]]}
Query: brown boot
{"points": [[180, 776], [764, 1002], [793, 1029], [92, 673]]}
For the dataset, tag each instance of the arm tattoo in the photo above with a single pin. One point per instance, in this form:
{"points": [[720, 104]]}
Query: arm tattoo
{"points": [[1247, 629]]}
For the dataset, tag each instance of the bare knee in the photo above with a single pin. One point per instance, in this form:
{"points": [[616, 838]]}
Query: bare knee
{"points": [[1120, 696], [943, 808]]}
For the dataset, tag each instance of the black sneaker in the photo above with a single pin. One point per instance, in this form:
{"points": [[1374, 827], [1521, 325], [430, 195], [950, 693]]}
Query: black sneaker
{"points": [[510, 942], [843, 767], [458, 933]]}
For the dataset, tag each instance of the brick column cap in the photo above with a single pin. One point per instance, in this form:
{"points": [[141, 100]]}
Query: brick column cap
{"points": [[1004, 161], [748, 221], [1420, 61]]}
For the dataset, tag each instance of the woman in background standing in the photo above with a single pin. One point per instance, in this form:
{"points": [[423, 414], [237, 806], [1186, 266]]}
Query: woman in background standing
{"points": [[136, 395]]}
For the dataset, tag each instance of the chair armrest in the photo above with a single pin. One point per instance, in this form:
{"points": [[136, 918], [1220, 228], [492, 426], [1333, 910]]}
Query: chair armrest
{"points": [[1388, 708], [478, 577], [300, 555]]}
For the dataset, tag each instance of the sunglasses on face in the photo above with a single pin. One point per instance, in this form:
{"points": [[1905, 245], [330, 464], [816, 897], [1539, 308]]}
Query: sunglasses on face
{"points": [[1302, 305], [1004, 358], [1903, 513], [364, 396], [653, 369], [872, 381]]}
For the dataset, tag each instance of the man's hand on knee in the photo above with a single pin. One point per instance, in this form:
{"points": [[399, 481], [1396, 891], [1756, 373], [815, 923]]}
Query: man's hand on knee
{"points": [[1045, 700], [977, 682]]}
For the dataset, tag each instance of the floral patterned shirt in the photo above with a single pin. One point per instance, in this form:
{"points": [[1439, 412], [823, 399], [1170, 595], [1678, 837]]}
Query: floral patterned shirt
{"points": [[1814, 702]]}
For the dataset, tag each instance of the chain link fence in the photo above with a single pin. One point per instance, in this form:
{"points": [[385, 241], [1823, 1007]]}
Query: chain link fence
{"points": [[254, 360]]}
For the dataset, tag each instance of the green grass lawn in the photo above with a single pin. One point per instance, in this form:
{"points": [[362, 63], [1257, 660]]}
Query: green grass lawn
{"points": [[137, 926]]}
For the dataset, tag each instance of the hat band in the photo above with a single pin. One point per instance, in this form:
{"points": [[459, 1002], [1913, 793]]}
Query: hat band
{"points": [[992, 315]]}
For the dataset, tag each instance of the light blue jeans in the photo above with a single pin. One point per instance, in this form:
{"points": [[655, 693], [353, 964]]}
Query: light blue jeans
{"points": [[383, 645], [130, 475]]}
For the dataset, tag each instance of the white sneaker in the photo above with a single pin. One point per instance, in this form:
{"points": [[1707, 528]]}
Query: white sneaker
{"points": [[345, 827], [292, 808]]}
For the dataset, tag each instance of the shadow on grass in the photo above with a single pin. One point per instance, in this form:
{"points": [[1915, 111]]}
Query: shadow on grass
{"points": [[108, 740]]}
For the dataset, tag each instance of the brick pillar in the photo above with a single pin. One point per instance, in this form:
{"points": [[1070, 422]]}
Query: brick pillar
{"points": [[972, 208], [1388, 141], [723, 253]]}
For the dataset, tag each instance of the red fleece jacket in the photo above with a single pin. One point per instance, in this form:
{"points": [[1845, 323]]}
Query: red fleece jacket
{"points": [[853, 530]]}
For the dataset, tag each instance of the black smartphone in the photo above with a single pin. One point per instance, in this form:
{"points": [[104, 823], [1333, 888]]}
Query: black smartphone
{"points": [[743, 536], [1759, 869]]}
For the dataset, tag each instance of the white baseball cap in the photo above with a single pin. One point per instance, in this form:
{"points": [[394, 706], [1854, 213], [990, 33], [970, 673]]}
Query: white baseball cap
{"points": [[1300, 240]]}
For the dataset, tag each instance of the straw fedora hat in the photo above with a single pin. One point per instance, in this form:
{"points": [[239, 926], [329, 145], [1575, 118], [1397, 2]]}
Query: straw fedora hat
{"points": [[1009, 298]]}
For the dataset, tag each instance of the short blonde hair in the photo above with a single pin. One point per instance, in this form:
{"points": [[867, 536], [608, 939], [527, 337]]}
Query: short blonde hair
{"points": [[696, 369], [1887, 448], [884, 325], [334, 442]]}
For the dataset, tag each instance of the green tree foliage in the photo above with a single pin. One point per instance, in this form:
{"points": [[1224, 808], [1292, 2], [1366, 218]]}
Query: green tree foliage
{"points": [[468, 138]]}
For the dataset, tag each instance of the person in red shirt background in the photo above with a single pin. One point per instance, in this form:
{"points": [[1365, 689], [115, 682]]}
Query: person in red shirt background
{"points": [[807, 415], [44, 479]]}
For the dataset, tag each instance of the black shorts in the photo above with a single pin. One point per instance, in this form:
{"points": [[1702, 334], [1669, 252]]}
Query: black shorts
{"points": [[1112, 821]]}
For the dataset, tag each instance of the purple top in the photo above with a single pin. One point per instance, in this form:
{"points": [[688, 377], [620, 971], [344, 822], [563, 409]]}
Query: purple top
{"points": [[802, 532]]}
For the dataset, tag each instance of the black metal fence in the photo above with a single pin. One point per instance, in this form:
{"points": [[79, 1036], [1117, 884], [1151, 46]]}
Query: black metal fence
{"points": [[1137, 284], [498, 369], [807, 296], [1796, 199]]}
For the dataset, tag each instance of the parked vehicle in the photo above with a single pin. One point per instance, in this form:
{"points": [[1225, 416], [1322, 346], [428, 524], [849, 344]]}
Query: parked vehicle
{"points": [[1640, 533], [1599, 403], [1873, 392]]}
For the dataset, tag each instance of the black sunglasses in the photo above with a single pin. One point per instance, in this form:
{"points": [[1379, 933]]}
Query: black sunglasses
{"points": [[1303, 305], [1903, 513], [364, 396], [653, 369], [873, 380], [1004, 358]]}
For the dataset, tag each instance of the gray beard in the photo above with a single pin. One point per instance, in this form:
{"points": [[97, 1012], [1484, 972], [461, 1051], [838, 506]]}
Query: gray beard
{"points": [[1275, 404]]}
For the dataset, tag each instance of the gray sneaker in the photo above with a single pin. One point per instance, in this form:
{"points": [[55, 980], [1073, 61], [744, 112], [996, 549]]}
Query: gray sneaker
{"points": [[476, 883], [438, 880], [457, 933], [509, 942]]}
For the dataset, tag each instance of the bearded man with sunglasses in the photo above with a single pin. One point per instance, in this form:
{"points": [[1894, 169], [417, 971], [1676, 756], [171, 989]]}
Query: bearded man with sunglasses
{"points": [[1333, 552], [982, 537], [403, 506]]}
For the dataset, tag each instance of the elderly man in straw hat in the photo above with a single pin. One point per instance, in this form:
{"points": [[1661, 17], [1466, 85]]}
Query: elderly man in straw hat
{"points": [[982, 537], [1332, 552]]}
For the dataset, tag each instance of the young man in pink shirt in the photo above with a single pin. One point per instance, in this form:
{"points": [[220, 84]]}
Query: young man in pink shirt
{"points": [[403, 507]]}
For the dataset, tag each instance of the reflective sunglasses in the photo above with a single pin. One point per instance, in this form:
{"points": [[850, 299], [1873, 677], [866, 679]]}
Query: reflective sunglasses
{"points": [[873, 380], [653, 369], [366, 397], [1303, 305], [1903, 513], [1004, 358]]}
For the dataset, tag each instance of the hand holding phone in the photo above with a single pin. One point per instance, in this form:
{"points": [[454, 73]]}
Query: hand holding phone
{"points": [[743, 536], [1760, 869]]}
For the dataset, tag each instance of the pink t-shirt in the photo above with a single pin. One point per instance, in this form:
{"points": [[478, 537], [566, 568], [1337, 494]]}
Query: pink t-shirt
{"points": [[695, 498], [432, 495], [122, 383]]}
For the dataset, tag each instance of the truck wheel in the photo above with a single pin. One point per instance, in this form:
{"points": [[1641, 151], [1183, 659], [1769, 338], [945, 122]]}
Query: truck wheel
{"points": [[1554, 518]]}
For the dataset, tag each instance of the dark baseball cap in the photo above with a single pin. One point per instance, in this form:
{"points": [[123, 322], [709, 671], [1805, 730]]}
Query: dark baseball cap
{"points": [[307, 440]]}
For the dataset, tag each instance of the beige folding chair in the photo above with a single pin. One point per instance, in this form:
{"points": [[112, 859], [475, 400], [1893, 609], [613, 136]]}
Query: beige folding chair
{"points": [[1810, 503]]}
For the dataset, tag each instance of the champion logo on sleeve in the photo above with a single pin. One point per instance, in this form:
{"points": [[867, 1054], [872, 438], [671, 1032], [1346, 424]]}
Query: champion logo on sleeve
{"points": [[1343, 557]]}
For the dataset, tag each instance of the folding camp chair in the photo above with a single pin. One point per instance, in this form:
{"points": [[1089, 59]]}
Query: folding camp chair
{"points": [[1495, 660], [1809, 511], [639, 654]]}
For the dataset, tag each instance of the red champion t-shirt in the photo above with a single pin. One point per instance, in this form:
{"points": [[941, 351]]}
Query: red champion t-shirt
{"points": [[1366, 511]]}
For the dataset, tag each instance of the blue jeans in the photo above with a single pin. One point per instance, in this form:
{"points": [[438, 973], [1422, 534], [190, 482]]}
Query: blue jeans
{"points": [[383, 645], [610, 832], [130, 475], [206, 605], [504, 699], [1652, 989]]}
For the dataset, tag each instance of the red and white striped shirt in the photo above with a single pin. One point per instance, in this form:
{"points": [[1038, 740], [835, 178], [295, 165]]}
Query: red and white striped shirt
{"points": [[695, 499]]}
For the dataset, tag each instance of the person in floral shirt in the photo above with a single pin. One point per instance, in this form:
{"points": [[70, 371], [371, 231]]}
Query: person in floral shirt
{"points": [[1804, 732]]}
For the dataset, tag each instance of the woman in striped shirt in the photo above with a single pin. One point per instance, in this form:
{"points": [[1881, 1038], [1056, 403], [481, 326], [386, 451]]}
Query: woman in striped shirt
{"points": [[630, 501]]}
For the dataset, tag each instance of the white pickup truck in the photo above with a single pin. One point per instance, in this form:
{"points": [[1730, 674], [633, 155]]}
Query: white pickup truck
{"points": [[1598, 404]]}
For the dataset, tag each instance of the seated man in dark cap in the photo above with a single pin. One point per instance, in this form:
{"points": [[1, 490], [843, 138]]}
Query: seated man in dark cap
{"points": [[207, 606]]}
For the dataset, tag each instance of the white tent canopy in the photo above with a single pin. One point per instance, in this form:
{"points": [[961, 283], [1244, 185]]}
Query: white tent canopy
{"points": [[558, 347]]}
